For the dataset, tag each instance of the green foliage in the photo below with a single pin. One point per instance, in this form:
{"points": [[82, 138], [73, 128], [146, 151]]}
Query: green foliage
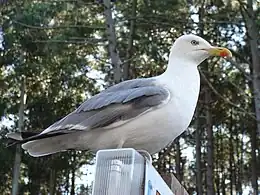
{"points": [[56, 45], [6, 161]]}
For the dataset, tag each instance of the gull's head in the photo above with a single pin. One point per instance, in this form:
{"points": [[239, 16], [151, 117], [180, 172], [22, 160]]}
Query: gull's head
{"points": [[194, 49]]}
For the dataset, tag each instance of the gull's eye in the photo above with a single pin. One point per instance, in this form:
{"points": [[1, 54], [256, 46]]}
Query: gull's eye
{"points": [[194, 42]]}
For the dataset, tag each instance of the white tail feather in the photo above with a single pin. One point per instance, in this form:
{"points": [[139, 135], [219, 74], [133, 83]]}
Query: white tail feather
{"points": [[47, 146], [15, 136]]}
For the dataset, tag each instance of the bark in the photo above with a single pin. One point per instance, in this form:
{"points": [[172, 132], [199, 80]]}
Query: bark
{"points": [[17, 161], [210, 149], [223, 184], [240, 172], [113, 52], [72, 192], [52, 181], [231, 155], [16, 171], [222, 168], [35, 186], [253, 35], [73, 174], [67, 182], [126, 70], [198, 155], [34, 176], [207, 98], [161, 163], [217, 166], [178, 160]]}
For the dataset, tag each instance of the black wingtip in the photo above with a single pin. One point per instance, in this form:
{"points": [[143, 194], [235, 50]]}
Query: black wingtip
{"points": [[28, 136], [11, 142]]}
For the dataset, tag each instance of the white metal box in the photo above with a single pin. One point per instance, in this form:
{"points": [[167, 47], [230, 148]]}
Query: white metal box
{"points": [[126, 172]]}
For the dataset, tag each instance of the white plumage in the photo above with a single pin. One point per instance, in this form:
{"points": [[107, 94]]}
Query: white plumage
{"points": [[145, 114]]}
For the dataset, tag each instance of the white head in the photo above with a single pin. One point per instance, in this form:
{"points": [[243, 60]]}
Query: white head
{"points": [[194, 49]]}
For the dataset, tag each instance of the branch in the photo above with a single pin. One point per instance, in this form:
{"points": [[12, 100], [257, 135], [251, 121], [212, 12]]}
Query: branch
{"points": [[239, 56], [243, 9], [224, 98], [56, 27], [146, 19], [130, 59], [106, 62], [246, 75], [241, 92], [101, 60], [87, 41], [71, 1]]}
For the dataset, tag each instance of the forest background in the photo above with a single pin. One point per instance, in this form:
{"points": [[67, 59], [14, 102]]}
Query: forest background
{"points": [[56, 53]]}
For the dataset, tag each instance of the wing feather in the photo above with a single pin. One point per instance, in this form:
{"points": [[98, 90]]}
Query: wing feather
{"points": [[121, 102]]}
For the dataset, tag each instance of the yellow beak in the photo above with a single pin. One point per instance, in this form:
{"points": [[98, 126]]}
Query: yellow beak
{"points": [[219, 51]]}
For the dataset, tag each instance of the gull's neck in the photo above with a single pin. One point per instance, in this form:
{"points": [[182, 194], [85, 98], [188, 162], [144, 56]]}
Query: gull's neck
{"points": [[182, 79], [179, 68]]}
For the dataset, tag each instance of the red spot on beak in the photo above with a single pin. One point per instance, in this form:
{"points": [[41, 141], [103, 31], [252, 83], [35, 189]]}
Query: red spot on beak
{"points": [[223, 54]]}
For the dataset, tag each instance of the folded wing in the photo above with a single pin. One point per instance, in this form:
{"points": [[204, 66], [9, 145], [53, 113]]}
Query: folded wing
{"points": [[119, 103]]}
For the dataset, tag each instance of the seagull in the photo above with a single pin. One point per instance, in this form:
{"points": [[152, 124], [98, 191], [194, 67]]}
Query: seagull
{"points": [[145, 113]]}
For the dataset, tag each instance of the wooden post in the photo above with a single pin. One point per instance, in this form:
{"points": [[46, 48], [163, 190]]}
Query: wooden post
{"points": [[174, 184]]}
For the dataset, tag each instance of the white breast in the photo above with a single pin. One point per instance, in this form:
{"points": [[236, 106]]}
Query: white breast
{"points": [[154, 130]]}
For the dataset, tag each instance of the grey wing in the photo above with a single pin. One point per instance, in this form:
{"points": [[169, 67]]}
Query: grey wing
{"points": [[109, 107], [116, 93], [119, 104]]}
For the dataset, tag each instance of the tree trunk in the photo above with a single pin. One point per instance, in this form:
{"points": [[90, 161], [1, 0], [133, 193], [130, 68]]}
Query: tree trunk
{"points": [[73, 171], [198, 155], [222, 166], [253, 33], [217, 163], [231, 154], [67, 181], [207, 98], [178, 160], [16, 171], [113, 52], [72, 191], [52, 186], [223, 184], [34, 176], [210, 149], [240, 154], [130, 42], [17, 161]]}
